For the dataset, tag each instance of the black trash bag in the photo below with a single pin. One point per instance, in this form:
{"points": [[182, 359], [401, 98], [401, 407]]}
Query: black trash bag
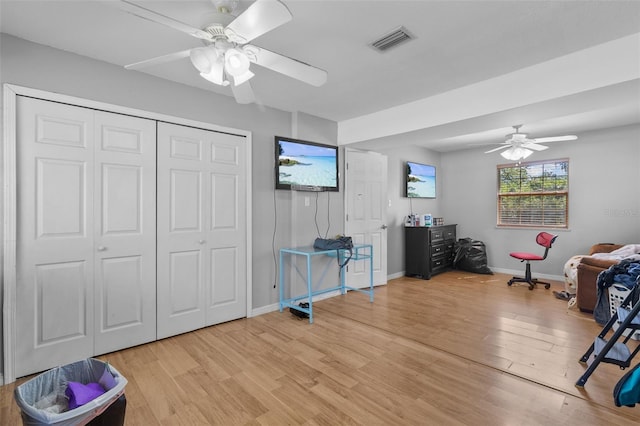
{"points": [[471, 256]]}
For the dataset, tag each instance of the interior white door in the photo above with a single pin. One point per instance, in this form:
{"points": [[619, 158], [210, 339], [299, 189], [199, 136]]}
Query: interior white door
{"points": [[124, 232], [366, 213], [54, 249], [86, 233], [202, 249]]}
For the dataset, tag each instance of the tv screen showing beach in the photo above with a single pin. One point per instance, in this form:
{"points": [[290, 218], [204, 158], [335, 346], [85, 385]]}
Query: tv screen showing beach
{"points": [[306, 165], [421, 180]]}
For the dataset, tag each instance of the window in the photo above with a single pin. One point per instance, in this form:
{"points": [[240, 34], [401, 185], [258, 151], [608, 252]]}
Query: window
{"points": [[534, 194]]}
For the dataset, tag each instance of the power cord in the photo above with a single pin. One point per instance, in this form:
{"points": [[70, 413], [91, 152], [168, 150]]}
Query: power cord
{"points": [[315, 216], [328, 214], [273, 237]]}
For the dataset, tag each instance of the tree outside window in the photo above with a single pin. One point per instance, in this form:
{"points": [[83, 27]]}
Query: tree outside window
{"points": [[534, 194]]}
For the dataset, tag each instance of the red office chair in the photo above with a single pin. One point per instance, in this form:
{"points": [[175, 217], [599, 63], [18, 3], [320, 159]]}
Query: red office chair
{"points": [[545, 240]]}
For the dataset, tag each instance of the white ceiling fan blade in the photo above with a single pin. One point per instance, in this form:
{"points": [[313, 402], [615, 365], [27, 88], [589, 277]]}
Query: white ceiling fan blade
{"points": [[259, 18], [158, 60], [534, 146], [243, 93], [150, 15], [287, 66], [556, 139], [497, 149]]}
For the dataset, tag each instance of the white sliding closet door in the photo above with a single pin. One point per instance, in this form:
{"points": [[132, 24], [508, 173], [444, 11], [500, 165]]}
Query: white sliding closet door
{"points": [[202, 248], [54, 292], [85, 233], [124, 231]]}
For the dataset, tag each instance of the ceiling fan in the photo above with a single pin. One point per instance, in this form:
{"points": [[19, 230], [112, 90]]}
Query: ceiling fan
{"points": [[226, 55], [520, 146]]}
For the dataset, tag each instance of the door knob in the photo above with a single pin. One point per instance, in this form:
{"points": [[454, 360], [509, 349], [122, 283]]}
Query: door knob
{"points": [[384, 226], [101, 248], [201, 241]]}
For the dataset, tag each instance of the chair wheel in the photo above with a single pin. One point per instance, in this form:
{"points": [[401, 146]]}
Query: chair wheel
{"points": [[547, 286], [531, 286], [510, 283]]}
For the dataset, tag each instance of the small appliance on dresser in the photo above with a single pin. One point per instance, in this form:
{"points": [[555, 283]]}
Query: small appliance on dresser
{"points": [[429, 250]]}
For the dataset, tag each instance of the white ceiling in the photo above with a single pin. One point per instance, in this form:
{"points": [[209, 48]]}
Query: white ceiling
{"points": [[459, 44]]}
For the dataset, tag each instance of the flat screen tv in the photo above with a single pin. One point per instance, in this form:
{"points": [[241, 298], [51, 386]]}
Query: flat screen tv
{"points": [[305, 166], [420, 180]]}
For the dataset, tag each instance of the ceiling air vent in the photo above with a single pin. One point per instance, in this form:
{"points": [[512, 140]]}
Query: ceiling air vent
{"points": [[392, 39]]}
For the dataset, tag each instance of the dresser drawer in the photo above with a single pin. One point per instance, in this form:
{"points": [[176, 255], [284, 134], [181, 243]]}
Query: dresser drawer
{"points": [[437, 249], [438, 262], [450, 234], [437, 235]]}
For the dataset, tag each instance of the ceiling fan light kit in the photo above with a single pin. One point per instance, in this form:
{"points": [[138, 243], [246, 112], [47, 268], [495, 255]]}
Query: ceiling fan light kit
{"points": [[516, 153], [226, 58]]}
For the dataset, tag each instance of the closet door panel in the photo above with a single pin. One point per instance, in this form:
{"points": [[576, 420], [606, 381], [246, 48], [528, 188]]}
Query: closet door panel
{"points": [[60, 302], [122, 292], [185, 283], [226, 289], [224, 264], [125, 187], [55, 265], [60, 198], [201, 188], [185, 200], [181, 231], [122, 188]]}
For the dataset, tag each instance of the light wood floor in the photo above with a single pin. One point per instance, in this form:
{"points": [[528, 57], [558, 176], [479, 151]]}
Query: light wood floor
{"points": [[459, 349]]}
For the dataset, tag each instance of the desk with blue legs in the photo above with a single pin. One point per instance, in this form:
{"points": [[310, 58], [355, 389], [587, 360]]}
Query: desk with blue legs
{"points": [[360, 252]]}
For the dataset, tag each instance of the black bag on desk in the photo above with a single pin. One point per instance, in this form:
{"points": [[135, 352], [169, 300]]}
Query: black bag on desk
{"points": [[340, 243]]}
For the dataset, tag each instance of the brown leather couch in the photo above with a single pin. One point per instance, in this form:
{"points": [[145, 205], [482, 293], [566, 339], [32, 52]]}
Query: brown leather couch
{"points": [[588, 270]]}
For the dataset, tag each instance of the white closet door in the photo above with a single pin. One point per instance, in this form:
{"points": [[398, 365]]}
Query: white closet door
{"points": [[86, 233], [55, 253], [201, 228], [124, 232]]}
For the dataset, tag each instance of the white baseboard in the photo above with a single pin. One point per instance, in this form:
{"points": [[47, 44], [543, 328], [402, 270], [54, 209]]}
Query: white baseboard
{"points": [[263, 310], [396, 275], [513, 272], [519, 273]]}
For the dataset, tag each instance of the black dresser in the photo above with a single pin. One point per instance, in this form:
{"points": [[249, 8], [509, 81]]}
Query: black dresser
{"points": [[428, 250]]}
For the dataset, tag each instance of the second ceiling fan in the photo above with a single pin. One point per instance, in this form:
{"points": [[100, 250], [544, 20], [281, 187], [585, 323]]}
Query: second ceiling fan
{"points": [[226, 55], [520, 146]]}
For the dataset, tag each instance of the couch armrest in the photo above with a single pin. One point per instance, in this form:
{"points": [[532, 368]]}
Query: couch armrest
{"points": [[588, 270], [589, 262]]}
